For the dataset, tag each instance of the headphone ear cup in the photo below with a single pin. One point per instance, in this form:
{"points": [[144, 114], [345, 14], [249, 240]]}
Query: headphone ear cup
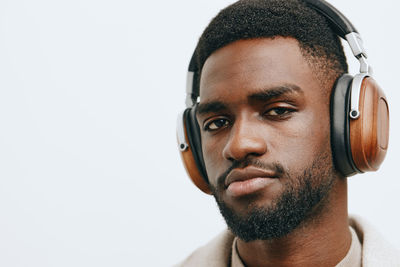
{"points": [[340, 132], [190, 156], [369, 133]]}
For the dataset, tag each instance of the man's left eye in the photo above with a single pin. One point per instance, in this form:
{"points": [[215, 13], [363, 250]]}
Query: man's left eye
{"points": [[279, 111]]}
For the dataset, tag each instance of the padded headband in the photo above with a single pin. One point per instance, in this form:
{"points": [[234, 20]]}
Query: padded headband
{"points": [[339, 22]]}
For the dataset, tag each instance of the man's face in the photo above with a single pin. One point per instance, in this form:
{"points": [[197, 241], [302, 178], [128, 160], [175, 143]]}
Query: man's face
{"points": [[264, 121]]}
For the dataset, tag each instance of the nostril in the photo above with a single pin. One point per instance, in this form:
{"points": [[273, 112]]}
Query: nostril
{"points": [[231, 159]]}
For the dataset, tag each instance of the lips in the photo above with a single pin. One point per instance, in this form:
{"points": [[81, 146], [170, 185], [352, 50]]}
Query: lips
{"points": [[248, 173], [245, 181]]}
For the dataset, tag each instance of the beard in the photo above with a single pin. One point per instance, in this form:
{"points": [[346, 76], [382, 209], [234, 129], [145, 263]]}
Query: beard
{"points": [[301, 194]]}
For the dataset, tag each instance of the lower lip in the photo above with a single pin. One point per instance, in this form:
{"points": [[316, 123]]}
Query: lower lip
{"points": [[242, 188]]}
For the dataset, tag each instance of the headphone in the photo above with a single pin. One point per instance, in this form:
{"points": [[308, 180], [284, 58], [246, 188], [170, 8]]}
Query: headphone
{"points": [[358, 108]]}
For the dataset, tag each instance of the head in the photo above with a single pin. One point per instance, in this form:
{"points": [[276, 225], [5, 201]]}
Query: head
{"points": [[267, 69]]}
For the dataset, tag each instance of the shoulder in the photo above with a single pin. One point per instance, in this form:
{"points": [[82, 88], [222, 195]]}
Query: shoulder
{"points": [[376, 251], [217, 252]]}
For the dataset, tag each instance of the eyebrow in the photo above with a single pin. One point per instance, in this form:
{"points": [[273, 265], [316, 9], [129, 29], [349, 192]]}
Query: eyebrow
{"points": [[213, 106], [262, 96], [277, 91]]}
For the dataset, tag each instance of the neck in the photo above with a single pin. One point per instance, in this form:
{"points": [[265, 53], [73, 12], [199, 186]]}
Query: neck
{"points": [[323, 239]]}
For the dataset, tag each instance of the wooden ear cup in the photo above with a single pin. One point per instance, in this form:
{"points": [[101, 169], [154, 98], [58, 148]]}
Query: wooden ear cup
{"points": [[191, 166], [369, 134]]}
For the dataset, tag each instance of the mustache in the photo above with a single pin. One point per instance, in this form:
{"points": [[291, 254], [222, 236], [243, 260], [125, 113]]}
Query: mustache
{"points": [[276, 167]]}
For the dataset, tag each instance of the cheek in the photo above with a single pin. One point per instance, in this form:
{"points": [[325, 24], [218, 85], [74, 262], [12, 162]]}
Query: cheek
{"points": [[304, 140], [212, 155]]}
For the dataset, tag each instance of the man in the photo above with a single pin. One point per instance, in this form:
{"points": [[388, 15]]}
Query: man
{"points": [[266, 69]]}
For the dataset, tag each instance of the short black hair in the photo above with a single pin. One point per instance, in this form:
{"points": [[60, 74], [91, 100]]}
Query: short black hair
{"points": [[250, 19]]}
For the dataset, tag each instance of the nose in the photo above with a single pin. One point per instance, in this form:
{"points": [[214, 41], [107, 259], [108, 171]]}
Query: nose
{"points": [[247, 137]]}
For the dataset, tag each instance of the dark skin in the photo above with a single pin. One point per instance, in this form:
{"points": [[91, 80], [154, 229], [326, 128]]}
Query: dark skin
{"points": [[262, 99]]}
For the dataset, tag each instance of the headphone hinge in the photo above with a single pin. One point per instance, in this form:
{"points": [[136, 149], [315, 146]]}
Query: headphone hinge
{"points": [[356, 44], [364, 66]]}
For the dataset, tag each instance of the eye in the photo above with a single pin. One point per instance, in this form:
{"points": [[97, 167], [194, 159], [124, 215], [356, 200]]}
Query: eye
{"points": [[216, 124], [278, 112]]}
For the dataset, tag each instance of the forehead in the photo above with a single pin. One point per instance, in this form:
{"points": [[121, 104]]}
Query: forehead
{"points": [[246, 66]]}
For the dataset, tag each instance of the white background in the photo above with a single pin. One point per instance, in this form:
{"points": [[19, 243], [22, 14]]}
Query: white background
{"points": [[89, 93]]}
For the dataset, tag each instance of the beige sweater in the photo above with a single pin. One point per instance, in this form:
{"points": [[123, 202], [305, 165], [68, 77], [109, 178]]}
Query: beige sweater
{"points": [[376, 252]]}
